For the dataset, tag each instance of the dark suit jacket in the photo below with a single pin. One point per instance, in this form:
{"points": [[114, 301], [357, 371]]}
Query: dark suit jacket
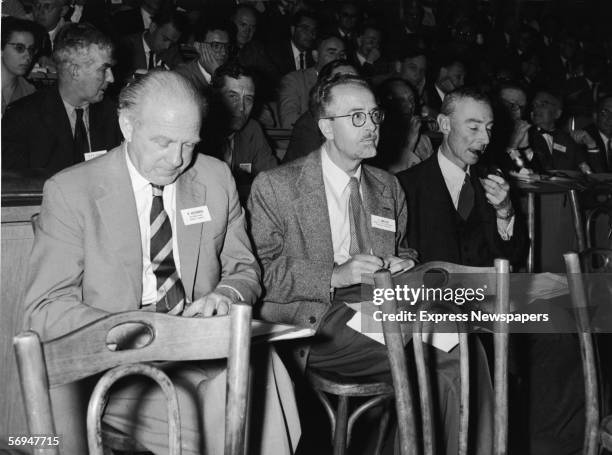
{"points": [[192, 72], [132, 56], [431, 98], [127, 22], [597, 160], [281, 56], [566, 153], [438, 232], [36, 132], [292, 235], [305, 138]]}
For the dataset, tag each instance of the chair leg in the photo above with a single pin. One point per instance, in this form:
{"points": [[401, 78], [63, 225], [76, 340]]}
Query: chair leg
{"points": [[382, 429], [341, 426]]}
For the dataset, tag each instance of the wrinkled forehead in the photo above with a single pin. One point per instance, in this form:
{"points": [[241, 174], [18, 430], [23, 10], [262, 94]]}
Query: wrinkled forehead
{"points": [[241, 85]]}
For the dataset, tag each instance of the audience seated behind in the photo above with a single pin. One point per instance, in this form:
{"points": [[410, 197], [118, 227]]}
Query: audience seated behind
{"points": [[212, 44], [155, 48], [450, 76], [40, 130], [403, 142], [295, 87], [306, 136], [230, 133], [20, 43], [367, 56]]}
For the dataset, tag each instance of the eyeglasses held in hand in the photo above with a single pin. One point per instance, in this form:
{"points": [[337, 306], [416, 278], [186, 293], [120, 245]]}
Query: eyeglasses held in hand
{"points": [[359, 118], [21, 48]]}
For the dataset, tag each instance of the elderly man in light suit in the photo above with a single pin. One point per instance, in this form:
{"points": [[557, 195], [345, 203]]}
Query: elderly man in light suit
{"points": [[96, 252]]}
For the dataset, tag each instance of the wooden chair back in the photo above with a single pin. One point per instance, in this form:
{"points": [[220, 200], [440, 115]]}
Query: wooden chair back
{"points": [[588, 350], [496, 281], [160, 337]]}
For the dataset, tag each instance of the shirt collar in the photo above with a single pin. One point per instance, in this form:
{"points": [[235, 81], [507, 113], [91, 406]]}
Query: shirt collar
{"points": [[146, 47], [441, 94], [139, 183], [296, 51], [604, 137], [361, 58], [335, 177], [450, 171], [70, 108]]}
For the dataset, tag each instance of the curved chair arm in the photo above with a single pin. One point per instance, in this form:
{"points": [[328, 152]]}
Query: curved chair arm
{"points": [[99, 397]]}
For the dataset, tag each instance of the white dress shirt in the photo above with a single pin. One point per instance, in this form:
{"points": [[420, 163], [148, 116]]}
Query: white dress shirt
{"points": [[296, 57], [337, 193], [206, 74], [454, 177], [146, 18], [143, 193]]}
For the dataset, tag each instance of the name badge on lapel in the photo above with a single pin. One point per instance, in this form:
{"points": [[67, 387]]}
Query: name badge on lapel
{"points": [[245, 167], [92, 155], [195, 215], [380, 222], [559, 147]]}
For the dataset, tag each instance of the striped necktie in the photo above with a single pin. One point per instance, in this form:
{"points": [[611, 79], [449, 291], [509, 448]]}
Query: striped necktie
{"points": [[170, 290], [360, 239]]}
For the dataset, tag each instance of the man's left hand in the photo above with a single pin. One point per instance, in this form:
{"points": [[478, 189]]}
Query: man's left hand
{"points": [[396, 265], [214, 304], [497, 191]]}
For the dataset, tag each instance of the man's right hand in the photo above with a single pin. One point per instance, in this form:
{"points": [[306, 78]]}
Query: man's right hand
{"points": [[351, 272], [208, 60]]}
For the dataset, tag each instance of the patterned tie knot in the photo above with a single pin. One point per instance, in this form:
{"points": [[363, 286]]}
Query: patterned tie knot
{"points": [[79, 113], [158, 190]]}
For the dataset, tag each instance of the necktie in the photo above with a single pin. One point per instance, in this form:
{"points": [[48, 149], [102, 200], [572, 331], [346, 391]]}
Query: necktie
{"points": [[81, 144], [466, 198], [170, 290], [360, 239], [302, 60], [151, 64]]}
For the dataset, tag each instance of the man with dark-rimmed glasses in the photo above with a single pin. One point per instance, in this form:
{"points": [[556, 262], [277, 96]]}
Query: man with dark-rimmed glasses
{"points": [[321, 222]]}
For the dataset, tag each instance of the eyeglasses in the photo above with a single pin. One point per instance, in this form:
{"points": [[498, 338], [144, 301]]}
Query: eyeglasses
{"points": [[20, 48], [359, 118], [218, 46]]}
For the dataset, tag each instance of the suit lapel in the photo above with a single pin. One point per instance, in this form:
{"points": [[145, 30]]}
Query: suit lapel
{"points": [[190, 193], [313, 214], [117, 209], [59, 124], [378, 201]]}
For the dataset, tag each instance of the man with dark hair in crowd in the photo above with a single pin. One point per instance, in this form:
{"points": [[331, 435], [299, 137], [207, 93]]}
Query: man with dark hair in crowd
{"points": [[412, 66], [347, 22], [60, 126], [295, 87], [110, 239], [50, 15], [367, 54], [137, 20], [296, 53], [553, 148], [231, 134], [450, 76], [154, 48], [20, 43], [212, 43], [600, 157]]}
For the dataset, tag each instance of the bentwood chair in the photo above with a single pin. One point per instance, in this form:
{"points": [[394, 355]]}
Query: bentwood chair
{"points": [[582, 296], [496, 281], [87, 351]]}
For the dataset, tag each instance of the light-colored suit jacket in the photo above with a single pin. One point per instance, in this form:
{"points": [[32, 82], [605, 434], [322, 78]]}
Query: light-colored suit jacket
{"points": [[292, 235], [86, 260], [293, 95]]}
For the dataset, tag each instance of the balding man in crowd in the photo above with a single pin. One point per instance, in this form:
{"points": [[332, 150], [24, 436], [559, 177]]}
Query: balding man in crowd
{"points": [[295, 87], [60, 126], [147, 256]]}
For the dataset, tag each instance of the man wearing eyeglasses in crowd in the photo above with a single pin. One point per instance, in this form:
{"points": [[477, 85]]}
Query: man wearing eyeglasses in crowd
{"points": [[212, 43], [322, 222]]}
